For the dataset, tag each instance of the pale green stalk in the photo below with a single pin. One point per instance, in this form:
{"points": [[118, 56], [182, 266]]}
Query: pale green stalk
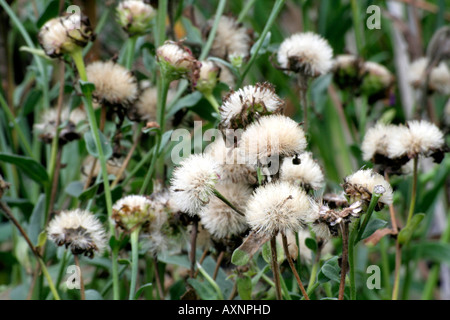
{"points": [[273, 15], [78, 60], [134, 261]]}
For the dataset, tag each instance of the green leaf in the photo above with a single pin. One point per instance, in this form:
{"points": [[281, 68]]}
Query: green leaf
{"points": [[203, 289], [244, 287], [329, 271], [92, 294], [373, 225], [240, 257], [267, 252], [33, 169], [89, 193], [42, 238], [186, 102], [92, 147], [265, 44], [141, 289], [433, 251], [50, 12], [311, 244], [74, 189], [87, 87], [404, 236], [36, 222]]}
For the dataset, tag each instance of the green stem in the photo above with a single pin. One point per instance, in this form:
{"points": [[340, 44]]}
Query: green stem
{"points": [[212, 33], [351, 259], [209, 96], [273, 15], [25, 144], [248, 5], [373, 203], [227, 202], [134, 261], [357, 26], [160, 35], [211, 281], [130, 52], [77, 57], [49, 279], [433, 276], [163, 89], [413, 191]]}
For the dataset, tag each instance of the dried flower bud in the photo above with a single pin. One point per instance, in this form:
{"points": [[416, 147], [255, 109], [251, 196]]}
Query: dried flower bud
{"points": [[377, 82], [135, 16], [176, 61], [348, 71], [208, 77], [360, 186], [137, 211], [65, 34]]}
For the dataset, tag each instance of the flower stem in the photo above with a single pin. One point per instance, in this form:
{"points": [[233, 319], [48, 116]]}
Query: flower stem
{"points": [[212, 33], [414, 190], [130, 52], [49, 279], [163, 89], [291, 264], [275, 268], [228, 203], [345, 259], [433, 276], [351, 260], [273, 15], [193, 239], [77, 263], [209, 96], [373, 203], [134, 261], [77, 57]]}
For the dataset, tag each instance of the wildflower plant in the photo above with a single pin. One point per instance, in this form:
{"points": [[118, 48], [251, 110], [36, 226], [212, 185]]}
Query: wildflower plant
{"points": [[165, 150]]}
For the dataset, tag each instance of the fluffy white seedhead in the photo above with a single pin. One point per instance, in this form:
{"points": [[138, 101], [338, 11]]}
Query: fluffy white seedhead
{"points": [[270, 138], [439, 76], [278, 206], [232, 40], [113, 166], [147, 103], [114, 84], [65, 34], [377, 140], [193, 182], [308, 174], [242, 107], [232, 164], [218, 218], [78, 230], [46, 128], [306, 53], [362, 183], [419, 137]]}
